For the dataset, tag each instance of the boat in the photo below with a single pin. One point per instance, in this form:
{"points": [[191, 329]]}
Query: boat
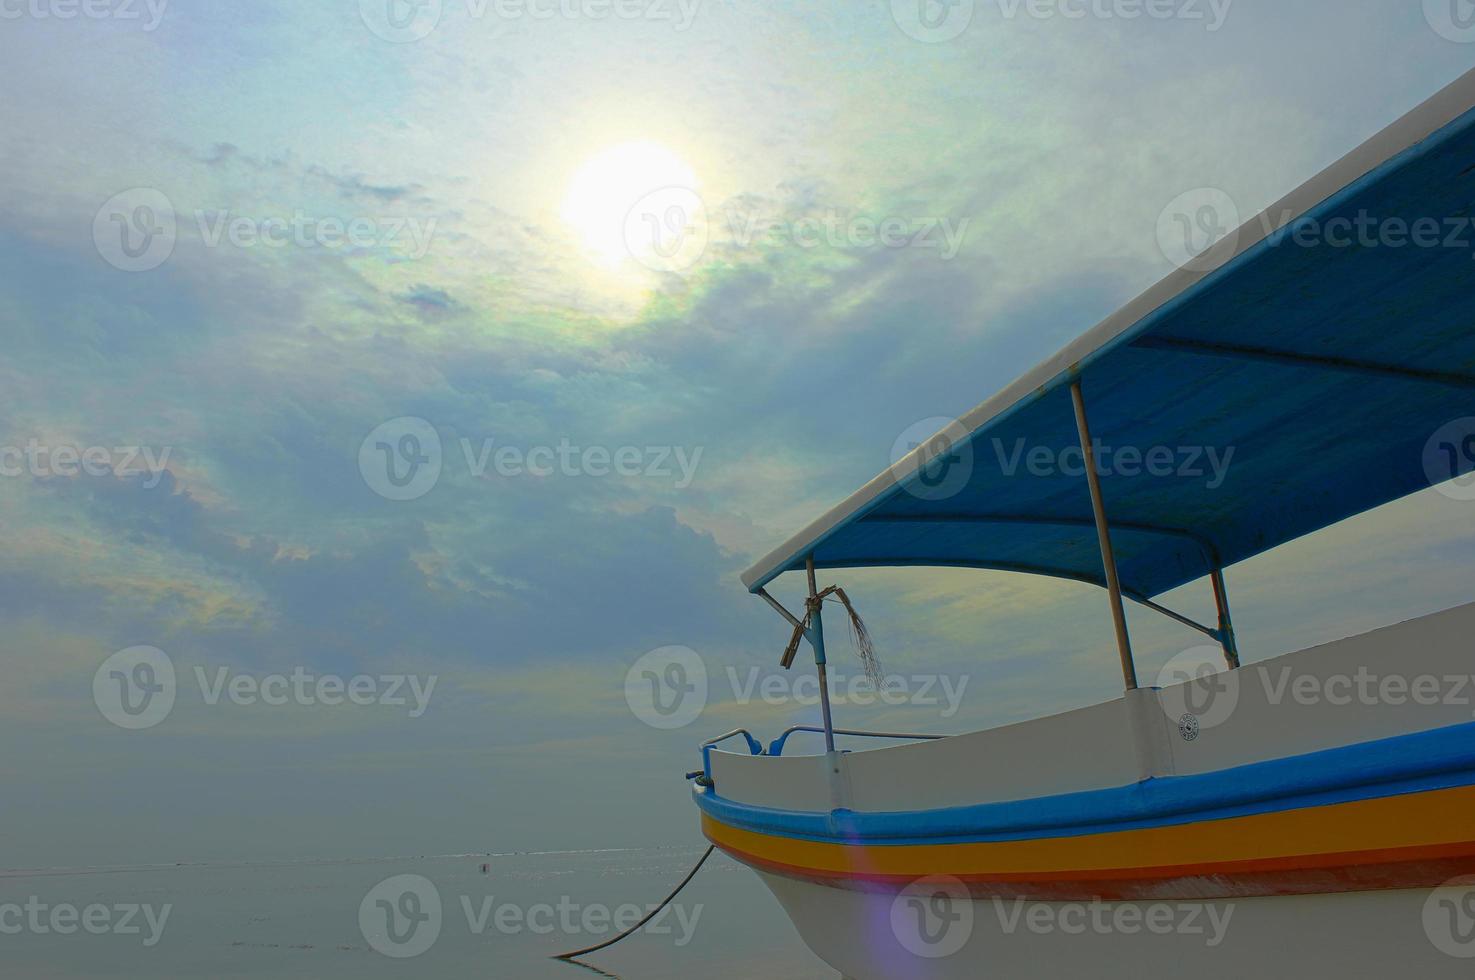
{"points": [[1215, 826]]}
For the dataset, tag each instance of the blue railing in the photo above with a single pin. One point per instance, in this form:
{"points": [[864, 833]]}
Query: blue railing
{"points": [[755, 747], [776, 747]]}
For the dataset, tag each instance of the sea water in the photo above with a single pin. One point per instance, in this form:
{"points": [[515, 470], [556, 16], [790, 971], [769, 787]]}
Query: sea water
{"points": [[425, 917]]}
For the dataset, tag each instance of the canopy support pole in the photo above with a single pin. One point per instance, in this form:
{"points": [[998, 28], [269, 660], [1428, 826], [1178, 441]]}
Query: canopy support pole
{"points": [[778, 607], [1208, 631], [817, 640], [1103, 534], [1226, 624], [788, 660]]}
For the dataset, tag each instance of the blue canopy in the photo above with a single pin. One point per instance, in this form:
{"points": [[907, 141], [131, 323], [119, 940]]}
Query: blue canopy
{"points": [[1320, 360]]}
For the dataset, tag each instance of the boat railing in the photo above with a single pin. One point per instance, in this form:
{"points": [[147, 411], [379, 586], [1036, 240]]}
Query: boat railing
{"points": [[776, 748], [755, 747]]}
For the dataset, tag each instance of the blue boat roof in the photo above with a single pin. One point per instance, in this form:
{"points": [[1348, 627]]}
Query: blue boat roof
{"points": [[1317, 360]]}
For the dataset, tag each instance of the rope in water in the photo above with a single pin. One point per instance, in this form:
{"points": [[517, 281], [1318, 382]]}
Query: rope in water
{"points": [[642, 923]]}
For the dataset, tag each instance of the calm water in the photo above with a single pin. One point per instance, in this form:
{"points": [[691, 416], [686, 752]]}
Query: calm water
{"points": [[302, 919]]}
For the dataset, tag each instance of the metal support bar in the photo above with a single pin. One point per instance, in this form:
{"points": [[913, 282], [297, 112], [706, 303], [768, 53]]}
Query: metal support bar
{"points": [[1226, 624], [778, 607], [817, 640], [1103, 534], [1208, 631]]}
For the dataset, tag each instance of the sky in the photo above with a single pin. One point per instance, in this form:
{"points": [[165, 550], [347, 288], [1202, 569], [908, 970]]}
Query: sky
{"points": [[460, 354]]}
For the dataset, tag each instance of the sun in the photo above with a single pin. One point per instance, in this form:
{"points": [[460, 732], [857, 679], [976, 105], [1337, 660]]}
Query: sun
{"points": [[612, 182]]}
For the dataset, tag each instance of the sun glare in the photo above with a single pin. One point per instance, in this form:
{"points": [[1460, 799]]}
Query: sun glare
{"points": [[611, 183]]}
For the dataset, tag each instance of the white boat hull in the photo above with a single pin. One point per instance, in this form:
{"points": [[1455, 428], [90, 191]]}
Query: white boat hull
{"points": [[1381, 934]]}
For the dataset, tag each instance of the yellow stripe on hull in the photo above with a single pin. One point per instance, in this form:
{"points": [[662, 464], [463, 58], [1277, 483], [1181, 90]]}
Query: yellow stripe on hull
{"points": [[1420, 832]]}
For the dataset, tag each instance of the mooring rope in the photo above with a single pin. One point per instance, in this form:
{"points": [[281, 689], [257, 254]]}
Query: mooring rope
{"points": [[641, 924], [867, 652], [864, 646]]}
